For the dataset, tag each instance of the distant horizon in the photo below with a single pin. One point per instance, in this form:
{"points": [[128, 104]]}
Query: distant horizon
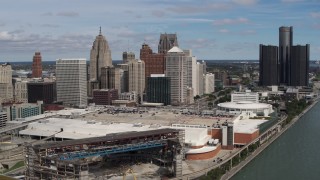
{"points": [[121, 60]]}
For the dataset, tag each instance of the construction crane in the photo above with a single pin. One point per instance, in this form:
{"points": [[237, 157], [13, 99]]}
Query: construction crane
{"points": [[127, 172]]}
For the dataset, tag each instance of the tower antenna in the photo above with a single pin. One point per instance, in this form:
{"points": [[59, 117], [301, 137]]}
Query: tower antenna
{"points": [[100, 31]]}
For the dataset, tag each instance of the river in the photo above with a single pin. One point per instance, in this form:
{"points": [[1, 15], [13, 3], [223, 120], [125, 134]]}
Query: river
{"points": [[293, 156]]}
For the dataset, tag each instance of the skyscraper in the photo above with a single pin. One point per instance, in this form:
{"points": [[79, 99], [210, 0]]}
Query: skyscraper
{"points": [[128, 56], [208, 83], [112, 78], [71, 81], [269, 68], [154, 63], [158, 90], [41, 91], [299, 65], [136, 70], [37, 65], [166, 42], [6, 88], [177, 71], [100, 56], [285, 44]]}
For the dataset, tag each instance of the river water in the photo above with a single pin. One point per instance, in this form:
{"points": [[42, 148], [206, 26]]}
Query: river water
{"points": [[295, 155]]}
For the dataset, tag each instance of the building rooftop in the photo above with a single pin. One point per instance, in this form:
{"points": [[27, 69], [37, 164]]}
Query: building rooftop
{"points": [[175, 49], [244, 105]]}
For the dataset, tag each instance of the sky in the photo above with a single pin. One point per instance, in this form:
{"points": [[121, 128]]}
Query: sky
{"points": [[212, 29]]}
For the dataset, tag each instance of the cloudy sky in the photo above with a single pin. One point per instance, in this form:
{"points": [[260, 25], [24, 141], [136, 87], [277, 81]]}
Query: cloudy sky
{"points": [[213, 29]]}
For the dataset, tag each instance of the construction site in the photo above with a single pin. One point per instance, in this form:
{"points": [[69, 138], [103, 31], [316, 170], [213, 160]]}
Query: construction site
{"points": [[72, 159]]}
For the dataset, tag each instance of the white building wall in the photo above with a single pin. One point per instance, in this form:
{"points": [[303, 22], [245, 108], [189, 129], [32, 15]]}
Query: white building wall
{"points": [[224, 135], [209, 83], [195, 84], [21, 91], [177, 70], [6, 88], [137, 77], [71, 81], [244, 96]]}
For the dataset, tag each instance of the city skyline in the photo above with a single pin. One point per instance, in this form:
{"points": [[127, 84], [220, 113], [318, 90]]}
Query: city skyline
{"points": [[214, 30]]}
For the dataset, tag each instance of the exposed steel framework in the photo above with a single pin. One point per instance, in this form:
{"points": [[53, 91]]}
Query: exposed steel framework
{"points": [[71, 159]]}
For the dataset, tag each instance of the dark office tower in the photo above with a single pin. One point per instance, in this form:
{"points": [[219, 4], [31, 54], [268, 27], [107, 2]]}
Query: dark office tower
{"points": [[167, 41], [158, 90], [269, 69], [285, 44], [41, 91], [299, 73], [37, 65]]}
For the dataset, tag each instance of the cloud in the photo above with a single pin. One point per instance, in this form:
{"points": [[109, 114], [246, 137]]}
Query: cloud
{"points": [[68, 14], [224, 31], [245, 2], [315, 14], [47, 14], [198, 43], [191, 9], [2, 24], [158, 13], [50, 25], [248, 32], [228, 21], [291, 1], [195, 20], [5, 36]]}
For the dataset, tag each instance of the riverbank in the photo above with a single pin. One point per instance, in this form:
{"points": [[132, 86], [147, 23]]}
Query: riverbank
{"points": [[275, 136]]}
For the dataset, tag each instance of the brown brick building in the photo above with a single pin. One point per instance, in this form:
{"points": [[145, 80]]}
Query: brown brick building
{"points": [[104, 96], [37, 65], [154, 63]]}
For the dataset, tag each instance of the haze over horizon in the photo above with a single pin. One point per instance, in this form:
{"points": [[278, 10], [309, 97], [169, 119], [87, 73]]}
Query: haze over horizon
{"points": [[217, 29]]}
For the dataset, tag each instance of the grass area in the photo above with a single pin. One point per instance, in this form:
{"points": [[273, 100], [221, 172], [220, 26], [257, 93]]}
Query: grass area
{"points": [[5, 178], [16, 166]]}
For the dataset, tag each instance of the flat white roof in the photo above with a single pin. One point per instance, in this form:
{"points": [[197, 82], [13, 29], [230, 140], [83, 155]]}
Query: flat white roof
{"points": [[204, 149], [247, 126], [244, 105], [78, 129]]}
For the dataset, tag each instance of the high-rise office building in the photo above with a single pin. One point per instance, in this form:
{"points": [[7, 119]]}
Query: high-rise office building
{"points": [[71, 81], [199, 79], [285, 44], [20, 91], [154, 63], [37, 65], [158, 90], [209, 83], [136, 70], [112, 78], [100, 56], [166, 42], [269, 67], [6, 88], [125, 78], [177, 71], [42, 91], [291, 65], [299, 71], [128, 56]]}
